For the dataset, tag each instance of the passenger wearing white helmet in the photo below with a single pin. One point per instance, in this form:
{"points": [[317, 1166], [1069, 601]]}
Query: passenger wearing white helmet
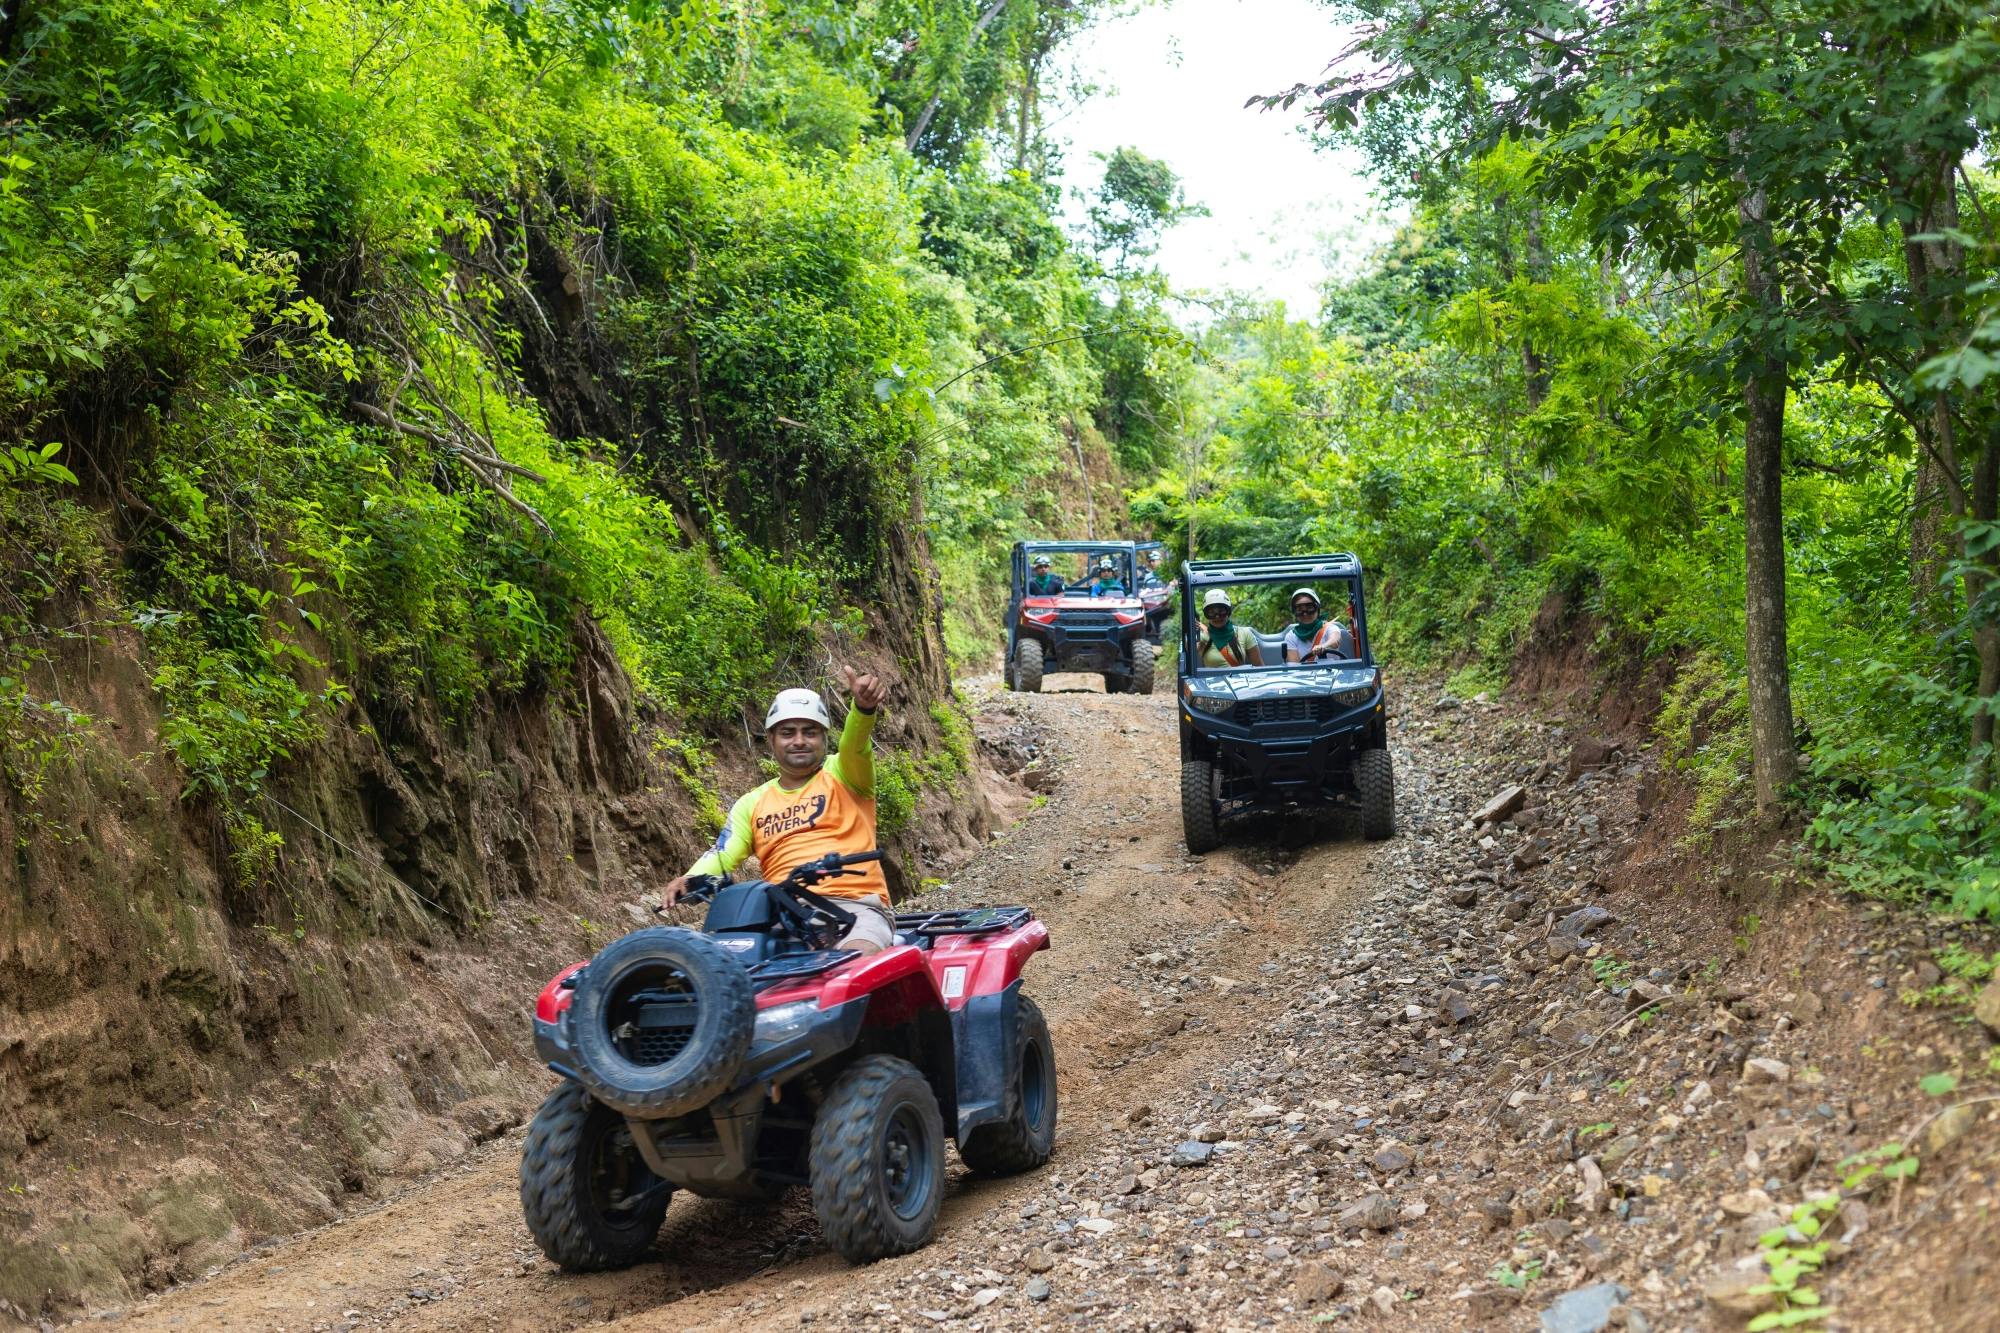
{"points": [[814, 806], [1315, 637], [1224, 643], [1044, 582], [1107, 584]]}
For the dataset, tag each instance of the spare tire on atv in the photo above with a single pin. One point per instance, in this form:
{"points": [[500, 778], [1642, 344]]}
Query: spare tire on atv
{"points": [[661, 1022]]}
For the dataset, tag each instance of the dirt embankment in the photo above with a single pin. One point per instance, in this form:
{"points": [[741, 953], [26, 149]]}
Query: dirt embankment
{"points": [[1560, 1063], [191, 1064]]}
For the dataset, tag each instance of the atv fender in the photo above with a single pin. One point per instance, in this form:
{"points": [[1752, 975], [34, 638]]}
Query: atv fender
{"points": [[895, 978], [970, 966], [986, 1045]]}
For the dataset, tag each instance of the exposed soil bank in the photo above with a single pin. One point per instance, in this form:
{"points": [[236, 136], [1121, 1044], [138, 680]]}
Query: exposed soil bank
{"points": [[1308, 1079]]}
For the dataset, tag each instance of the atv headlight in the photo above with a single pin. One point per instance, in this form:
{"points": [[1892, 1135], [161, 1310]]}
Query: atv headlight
{"points": [[783, 1021], [1217, 704], [1355, 698]]}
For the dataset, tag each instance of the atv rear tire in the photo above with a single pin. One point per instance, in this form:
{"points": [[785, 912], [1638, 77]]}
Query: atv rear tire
{"points": [[1200, 824], [670, 958], [878, 1160], [1375, 778], [1143, 657], [589, 1198], [1024, 1140], [1028, 666]]}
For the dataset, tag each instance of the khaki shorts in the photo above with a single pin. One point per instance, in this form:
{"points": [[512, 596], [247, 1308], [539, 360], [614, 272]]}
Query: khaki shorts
{"points": [[873, 922]]}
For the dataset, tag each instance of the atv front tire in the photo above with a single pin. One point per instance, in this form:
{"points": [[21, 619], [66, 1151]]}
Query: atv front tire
{"points": [[1024, 1140], [1200, 823], [1375, 778], [700, 1060], [1143, 658], [1028, 666], [878, 1160], [589, 1198]]}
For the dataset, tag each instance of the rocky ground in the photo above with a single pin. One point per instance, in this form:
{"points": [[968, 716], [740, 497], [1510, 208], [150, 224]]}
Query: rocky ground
{"points": [[1538, 1062]]}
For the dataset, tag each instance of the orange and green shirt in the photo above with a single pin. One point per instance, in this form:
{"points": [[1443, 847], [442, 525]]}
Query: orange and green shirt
{"points": [[834, 811]]}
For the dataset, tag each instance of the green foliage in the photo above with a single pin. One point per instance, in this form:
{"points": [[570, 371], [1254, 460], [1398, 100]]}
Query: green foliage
{"points": [[412, 340]]}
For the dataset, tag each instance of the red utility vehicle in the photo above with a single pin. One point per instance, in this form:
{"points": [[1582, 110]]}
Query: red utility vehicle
{"points": [[748, 1057]]}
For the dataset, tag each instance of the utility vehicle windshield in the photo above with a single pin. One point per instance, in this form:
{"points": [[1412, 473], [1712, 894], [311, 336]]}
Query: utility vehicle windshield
{"points": [[1269, 624]]}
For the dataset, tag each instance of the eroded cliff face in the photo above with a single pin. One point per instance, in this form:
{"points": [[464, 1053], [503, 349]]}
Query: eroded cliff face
{"points": [[192, 1060]]}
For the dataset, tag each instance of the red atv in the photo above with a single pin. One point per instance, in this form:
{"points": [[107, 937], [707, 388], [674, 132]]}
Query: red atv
{"points": [[747, 1057]]}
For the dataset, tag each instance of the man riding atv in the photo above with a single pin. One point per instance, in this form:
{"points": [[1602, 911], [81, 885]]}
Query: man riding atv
{"points": [[814, 806], [1045, 582]]}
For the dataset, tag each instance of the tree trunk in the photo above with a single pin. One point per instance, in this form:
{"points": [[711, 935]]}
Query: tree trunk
{"points": [[1774, 758], [1980, 573], [1934, 268], [1532, 369], [924, 117]]}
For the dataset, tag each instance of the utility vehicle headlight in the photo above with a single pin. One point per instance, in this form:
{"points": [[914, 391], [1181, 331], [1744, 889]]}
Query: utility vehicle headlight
{"points": [[1355, 698], [782, 1021], [1218, 705]]}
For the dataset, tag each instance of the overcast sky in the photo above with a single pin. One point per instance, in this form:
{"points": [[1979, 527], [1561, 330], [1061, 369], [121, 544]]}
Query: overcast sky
{"points": [[1174, 78]]}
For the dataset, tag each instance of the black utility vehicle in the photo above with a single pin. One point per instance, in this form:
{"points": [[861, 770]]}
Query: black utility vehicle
{"points": [[1279, 736], [1068, 628]]}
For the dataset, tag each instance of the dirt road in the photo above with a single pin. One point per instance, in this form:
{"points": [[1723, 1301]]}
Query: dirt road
{"points": [[1102, 863], [1487, 1074]]}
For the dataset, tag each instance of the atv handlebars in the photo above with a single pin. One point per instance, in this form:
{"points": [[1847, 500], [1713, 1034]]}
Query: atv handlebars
{"points": [[703, 887]]}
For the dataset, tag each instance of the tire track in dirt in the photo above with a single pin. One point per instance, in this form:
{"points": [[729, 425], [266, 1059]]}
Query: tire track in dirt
{"points": [[1103, 863]]}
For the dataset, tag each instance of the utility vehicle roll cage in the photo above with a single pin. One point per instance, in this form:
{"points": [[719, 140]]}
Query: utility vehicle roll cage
{"points": [[1316, 571], [1024, 552]]}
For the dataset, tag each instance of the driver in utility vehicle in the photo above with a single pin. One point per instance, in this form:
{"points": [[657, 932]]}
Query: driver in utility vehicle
{"points": [[1314, 637], [817, 804]]}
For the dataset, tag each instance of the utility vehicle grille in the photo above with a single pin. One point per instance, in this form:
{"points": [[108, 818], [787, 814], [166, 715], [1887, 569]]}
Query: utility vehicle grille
{"points": [[1256, 711]]}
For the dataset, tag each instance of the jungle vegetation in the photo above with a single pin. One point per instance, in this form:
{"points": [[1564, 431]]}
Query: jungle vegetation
{"points": [[1693, 328], [400, 347]]}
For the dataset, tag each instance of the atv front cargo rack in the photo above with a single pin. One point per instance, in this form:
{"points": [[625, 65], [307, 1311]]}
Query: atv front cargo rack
{"points": [[792, 966], [966, 921]]}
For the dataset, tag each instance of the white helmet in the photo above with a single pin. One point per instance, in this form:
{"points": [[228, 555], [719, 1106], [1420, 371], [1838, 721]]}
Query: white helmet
{"points": [[1043, 562], [1307, 593], [1216, 597], [1104, 564], [797, 706]]}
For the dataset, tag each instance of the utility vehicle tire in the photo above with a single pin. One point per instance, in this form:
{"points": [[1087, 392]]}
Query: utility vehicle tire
{"points": [[878, 1160], [1028, 666], [1375, 777], [1199, 823], [1024, 1140], [1144, 655], [695, 1064], [589, 1199]]}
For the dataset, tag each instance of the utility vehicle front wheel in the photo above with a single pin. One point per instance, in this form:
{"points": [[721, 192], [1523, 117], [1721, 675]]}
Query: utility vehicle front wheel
{"points": [[1024, 1140], [1200, 821], [1028, 666], [589, 1198], [878, 1160], [1144, 656], [1375, 778]]}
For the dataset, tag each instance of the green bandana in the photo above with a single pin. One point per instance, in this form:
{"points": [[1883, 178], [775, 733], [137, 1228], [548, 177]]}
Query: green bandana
{"points": [[1223, 636], [1307, 632]]}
